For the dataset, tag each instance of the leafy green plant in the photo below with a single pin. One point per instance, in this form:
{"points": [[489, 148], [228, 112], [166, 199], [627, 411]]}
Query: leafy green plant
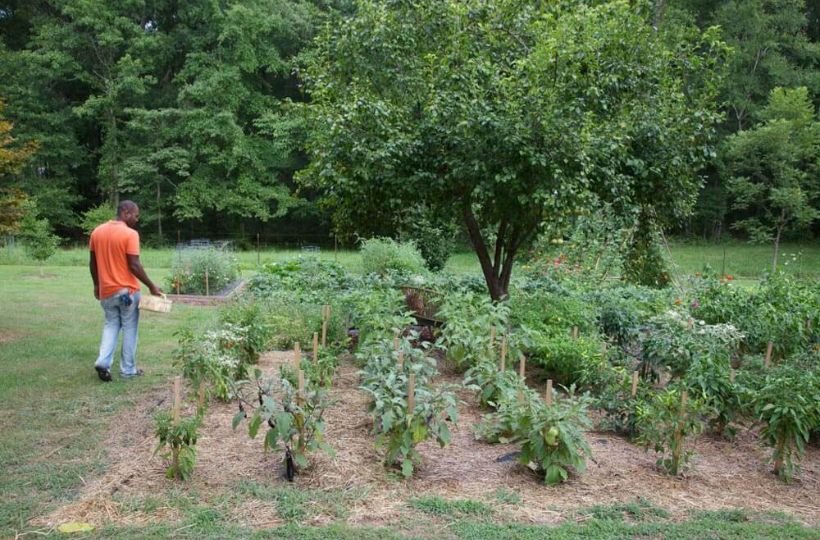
{"points": [[295, 420], [571, 360], [248, 317], [214, 357], [401, 428], [383, 256], [708, 379], [468, 318], [179, 438], [190, 268], [789, 404], [96, 216], [664, 424]]}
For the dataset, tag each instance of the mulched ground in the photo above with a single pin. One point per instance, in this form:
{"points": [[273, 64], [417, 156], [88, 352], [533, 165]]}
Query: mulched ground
{"points": [[724, 474]]}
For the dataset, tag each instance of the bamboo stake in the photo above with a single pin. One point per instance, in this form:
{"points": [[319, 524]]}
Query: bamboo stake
{"points": [[300, 396], [731, 375], [411, 394], [297, 355], [549, 393], [401, 360], [492, 337], [634, 383], [574, 332], [207, 287], [768, 360], [396, 342], [315, 347], [522, 367], [503, 352]]}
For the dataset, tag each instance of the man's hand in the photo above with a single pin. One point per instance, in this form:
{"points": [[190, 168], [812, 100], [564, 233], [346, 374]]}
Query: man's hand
{"points": [[156, 291]]}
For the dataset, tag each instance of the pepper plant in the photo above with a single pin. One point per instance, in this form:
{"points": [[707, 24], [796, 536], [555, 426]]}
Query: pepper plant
{"points": [[179, 438], [789, 404]]}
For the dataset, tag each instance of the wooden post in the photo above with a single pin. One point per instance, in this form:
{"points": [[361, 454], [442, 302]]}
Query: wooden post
{"points": [[175, 451], [634, 383], [401, 361], [503, 352], [411, 394], [325, 317], [315, 347], [207, 286], [549, 393], [690, 323], [768, 360], [177, 397], [300, 395], [492, 337], [731, 375], [396, 342], [176, 282], [297, 355], [201, 401], [574, 332], [522, 364]]}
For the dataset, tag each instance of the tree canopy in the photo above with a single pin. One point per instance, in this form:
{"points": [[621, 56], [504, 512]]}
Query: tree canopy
{"points": [[507, 115]]}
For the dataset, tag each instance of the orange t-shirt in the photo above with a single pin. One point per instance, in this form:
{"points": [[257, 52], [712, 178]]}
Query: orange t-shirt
{"points": [[111, 242]]}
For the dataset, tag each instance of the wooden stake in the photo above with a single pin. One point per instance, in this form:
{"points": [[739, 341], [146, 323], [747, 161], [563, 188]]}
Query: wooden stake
{"points": [[492, 337], [201, 402], [768, 360], [300, 396], [396, 342], [522, 364], [324, 326], [689, 324], [297, 355], [207, 286], [549, 393], [503, 352], [177, 397], [731, 375], [176, 282], [574, 332], [401, 360], [634, 384], [315, 347], [411, 394]]}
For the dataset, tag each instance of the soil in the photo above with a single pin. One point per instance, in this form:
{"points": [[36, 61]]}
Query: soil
{"points": [[724, 474]]}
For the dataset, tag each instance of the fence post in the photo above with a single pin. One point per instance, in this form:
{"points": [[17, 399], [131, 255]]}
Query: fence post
{"points": [[549, 393]]}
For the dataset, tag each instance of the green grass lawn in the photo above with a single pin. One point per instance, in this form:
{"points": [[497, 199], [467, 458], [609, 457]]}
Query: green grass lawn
{"points": [[738, 259]]}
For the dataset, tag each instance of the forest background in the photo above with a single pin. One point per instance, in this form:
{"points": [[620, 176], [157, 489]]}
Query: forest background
{"points": [[188, 108]]}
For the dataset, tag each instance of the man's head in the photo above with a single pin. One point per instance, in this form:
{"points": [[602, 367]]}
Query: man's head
{"points": [[129, 212]]}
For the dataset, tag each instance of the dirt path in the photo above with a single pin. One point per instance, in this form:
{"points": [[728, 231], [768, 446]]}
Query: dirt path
{"points": [[725, 474]]}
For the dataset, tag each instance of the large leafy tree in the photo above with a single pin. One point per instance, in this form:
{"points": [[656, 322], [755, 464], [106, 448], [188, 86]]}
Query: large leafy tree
{"points": [[506, 115], [774, 169]]}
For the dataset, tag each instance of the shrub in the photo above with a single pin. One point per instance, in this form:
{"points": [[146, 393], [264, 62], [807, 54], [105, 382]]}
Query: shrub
{"points": [[434, 240], [96, 216], [189, 269], [180, 439], [383, 256], [571, 360]]}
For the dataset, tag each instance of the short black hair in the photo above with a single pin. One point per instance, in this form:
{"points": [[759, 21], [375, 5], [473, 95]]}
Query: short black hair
{"points": [[125, 205]]}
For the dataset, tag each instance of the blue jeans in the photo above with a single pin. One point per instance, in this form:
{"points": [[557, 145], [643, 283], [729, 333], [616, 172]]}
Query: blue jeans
{"points": [[119, 316]]}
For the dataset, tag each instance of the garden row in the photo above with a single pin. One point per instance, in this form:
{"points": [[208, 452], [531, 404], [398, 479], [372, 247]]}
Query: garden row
{"points": [[661, 365]]}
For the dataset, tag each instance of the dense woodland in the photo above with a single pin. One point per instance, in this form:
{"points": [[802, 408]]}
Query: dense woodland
{"points": [[202, 111]]}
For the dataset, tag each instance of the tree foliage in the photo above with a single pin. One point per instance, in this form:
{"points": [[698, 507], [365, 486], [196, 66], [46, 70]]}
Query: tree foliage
{"points": [[507, 115], [774, 169]]}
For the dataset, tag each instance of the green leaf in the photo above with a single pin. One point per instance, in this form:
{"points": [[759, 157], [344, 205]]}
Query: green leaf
{"points": [[237, 418]]}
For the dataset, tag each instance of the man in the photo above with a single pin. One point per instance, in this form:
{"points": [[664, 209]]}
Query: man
{"points": [[115, 267]]}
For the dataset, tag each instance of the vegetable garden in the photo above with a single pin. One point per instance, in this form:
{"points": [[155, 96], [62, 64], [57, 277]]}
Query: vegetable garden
{"points": [[571, 392]]}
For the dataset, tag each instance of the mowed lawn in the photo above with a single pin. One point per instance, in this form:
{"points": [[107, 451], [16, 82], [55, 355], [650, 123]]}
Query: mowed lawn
{"points": [[54, 408]]}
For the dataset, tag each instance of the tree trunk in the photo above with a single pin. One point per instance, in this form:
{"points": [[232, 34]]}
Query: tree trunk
{"points": [[777, 236], [491, 276]]}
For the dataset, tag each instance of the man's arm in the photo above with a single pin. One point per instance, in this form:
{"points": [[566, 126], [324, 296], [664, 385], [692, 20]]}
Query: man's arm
{"points": [[136, 268], [92, 267]]}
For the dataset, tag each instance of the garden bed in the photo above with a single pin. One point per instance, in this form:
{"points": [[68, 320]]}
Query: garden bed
{"points": [[724, 475], [228, 292]]}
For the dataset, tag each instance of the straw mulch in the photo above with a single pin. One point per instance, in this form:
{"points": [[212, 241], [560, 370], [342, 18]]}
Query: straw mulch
{"points": [[724, 474]]}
